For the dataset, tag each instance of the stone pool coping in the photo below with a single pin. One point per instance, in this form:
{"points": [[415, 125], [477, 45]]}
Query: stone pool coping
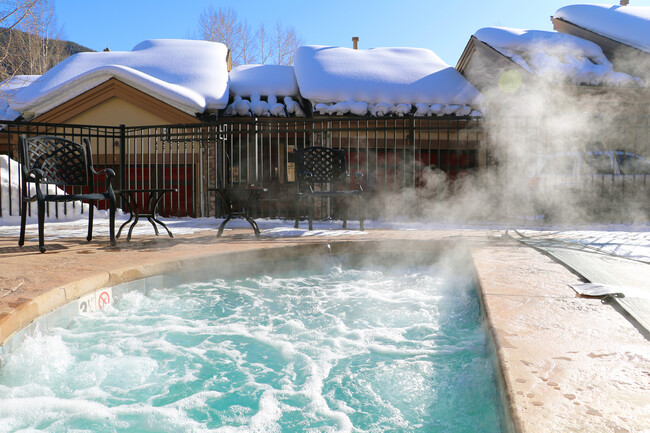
{"points": [[568, 363]]}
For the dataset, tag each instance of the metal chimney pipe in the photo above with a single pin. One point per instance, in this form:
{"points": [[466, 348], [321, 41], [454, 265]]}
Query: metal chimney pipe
{"points": [[355, 42]]}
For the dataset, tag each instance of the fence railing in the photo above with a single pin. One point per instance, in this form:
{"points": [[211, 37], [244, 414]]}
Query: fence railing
{"points": [[438, 167], [103, 140]]}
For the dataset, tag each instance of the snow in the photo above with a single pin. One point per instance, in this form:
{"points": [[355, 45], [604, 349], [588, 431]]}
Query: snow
{"points": [[334, 75], [10, 198], [7, 90], [616, 240], [259, 107], [626, 241], [555, 56], [278, 80], [623, 241], [293, 107], [255, 90], [629, 25], [189, 75], [399, 110]]}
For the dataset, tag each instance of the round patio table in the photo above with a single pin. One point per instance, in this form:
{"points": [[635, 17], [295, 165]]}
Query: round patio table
{"points": [[153, 199]]}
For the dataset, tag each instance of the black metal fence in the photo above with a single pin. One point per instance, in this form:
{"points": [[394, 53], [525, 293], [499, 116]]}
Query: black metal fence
{"points": [[558, 171], [103, 140], [438, 167], [393, 154]]}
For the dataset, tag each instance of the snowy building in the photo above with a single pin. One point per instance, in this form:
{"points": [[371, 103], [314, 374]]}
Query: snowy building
{"points": [[598, 50], [556, 76], [396, 112], [382, 81], [158, 82], [622, 32], [498, 57]]}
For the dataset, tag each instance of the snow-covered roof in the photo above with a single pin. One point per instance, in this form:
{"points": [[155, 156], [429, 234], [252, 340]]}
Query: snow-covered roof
{"points": [[278, 80], [379, 76], [187, 74], [554, 56], [270, 81], [629, 25], [8, 89]]}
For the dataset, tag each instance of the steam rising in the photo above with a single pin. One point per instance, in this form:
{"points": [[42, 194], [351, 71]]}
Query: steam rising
{"points": [[555, 151]]}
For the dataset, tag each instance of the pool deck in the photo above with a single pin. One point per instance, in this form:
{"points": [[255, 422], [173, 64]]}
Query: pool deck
{"points": [[570, 364]]}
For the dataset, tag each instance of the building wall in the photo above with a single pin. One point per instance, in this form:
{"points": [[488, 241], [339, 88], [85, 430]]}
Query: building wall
{"points": [[114, 112]]}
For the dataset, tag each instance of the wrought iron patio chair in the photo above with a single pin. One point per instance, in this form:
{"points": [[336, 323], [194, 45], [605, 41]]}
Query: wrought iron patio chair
{"points": [[48, 160], [326, 168]]}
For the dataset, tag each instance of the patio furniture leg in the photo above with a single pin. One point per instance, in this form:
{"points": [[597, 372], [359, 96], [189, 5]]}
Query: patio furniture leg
{"points": [[111, 221], [137, 218], [228, 203], [41, 226], [162, 224], [152, 221], [361, 212], [252, 222], [223, 224], [311, 213], [152, 205], [250, 202], [91, 208], [128, 203], [297, 209], [23, 221]]}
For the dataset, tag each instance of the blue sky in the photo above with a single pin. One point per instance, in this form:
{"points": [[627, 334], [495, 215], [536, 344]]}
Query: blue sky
{"points": [[443, 26]]}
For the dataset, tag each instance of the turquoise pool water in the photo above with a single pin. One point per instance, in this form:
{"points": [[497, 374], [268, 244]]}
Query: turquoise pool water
{"points": [[350, 350]]}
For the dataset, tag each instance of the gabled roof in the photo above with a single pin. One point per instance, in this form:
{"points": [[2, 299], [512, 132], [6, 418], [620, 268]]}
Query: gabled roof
{"points": [[107, 91], [554, 56], [189, 75], [628, 25]]}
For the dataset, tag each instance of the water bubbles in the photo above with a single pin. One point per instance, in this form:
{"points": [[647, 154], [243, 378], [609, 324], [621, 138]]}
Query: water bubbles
{"points": [[338, 350]]}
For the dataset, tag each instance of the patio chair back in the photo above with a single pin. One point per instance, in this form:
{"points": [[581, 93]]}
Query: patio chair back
{"points": [[62, 162], [320, 165], [327, 168]]}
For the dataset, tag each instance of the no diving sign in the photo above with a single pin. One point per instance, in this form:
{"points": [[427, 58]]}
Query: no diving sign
{"points": [[95, 301]]}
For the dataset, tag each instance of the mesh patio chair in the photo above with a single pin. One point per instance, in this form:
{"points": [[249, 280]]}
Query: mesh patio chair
{"points": [[48, 160], [322, 172]]}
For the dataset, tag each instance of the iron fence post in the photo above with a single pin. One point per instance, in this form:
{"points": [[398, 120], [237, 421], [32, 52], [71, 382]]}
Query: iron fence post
{"points": [[411, 139], [122, 161]]}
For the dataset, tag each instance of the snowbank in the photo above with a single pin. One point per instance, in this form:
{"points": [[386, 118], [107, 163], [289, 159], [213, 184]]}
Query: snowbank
{"points": [[10, 197], [555, 56], [391, 76], [629, 25], [189, 75]]}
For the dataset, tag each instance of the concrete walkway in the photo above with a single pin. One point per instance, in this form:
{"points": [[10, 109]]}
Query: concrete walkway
{"points": [[568, 363]]}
